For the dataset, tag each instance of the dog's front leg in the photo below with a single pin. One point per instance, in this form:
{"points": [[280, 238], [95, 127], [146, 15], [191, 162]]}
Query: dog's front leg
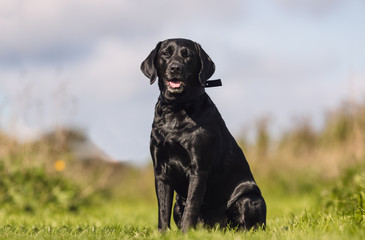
{"points": [[164, 194], [194, 200]]}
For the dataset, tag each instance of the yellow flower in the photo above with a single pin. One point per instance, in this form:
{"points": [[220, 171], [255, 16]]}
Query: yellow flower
{"points": [[60, 165]]}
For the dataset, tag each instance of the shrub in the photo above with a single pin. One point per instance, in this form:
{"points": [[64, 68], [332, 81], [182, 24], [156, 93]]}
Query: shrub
{"points": [[347, 196], [30, 189]]}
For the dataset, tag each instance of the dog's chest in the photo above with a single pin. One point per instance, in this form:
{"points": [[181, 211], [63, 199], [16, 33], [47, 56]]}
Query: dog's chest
{"points": [[173, 134], [175, 127]]}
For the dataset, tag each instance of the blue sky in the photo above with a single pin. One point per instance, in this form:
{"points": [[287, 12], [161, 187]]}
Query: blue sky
{"points": [[76, 63]]}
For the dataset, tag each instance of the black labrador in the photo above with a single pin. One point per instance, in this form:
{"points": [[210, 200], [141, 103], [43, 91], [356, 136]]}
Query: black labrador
{"points": [[192, 150]]}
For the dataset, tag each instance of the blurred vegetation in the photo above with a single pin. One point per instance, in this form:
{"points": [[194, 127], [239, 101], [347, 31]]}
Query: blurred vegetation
{"points": [[51, 173], [305, 168], [326, 152], [327, 163]]}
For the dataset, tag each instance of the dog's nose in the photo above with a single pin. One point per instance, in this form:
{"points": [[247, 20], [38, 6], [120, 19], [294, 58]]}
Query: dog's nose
{"points": [[175, 68]]}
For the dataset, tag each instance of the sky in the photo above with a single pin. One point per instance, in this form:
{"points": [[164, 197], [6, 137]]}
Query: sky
{"points": [[76, 63]]}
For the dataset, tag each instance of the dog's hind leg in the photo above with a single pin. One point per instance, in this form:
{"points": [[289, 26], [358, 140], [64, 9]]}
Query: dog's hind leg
{"points": [[178, 211], [249, 211]]}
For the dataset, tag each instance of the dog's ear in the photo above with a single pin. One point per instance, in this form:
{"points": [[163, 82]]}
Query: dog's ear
{"points": [[148, 65], [207, 65]]}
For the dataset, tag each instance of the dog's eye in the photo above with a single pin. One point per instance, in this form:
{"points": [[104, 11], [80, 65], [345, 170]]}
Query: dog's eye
{"points": [[186, 54], [166, 53]]}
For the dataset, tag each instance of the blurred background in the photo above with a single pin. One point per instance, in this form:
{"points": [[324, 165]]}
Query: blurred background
{"points": [[73, 100], [76, 64]]}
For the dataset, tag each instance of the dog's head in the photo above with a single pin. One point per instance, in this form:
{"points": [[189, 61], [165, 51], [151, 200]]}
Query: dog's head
{"points": [[181, 66]]}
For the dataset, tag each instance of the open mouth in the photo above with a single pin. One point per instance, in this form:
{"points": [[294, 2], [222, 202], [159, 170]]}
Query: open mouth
{"points": [[175, 85]]}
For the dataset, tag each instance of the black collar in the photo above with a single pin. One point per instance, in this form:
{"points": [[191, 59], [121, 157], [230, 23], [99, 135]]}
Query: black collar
{"points": [[213, 83]]}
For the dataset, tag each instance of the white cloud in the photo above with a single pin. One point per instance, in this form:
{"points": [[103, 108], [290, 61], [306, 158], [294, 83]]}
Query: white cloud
{"points": [[110, 71], [36, 25]]}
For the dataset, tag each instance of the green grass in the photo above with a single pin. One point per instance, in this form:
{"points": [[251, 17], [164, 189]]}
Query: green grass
{"points": [[300, 206], [296, 216], [109, 225]]}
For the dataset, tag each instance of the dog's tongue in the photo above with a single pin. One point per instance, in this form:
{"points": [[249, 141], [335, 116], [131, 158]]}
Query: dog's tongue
{"points": [[175, 84]]}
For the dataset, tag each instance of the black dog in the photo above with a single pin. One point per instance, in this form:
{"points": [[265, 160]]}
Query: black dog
{"points": [[192, 150]]}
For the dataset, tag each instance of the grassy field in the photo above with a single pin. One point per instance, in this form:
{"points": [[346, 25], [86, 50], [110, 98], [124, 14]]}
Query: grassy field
{"points": [[289, 217], [313, 183]]}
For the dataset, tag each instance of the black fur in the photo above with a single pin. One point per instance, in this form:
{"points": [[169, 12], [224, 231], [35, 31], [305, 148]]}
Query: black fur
{"points": [[192, 150]]}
